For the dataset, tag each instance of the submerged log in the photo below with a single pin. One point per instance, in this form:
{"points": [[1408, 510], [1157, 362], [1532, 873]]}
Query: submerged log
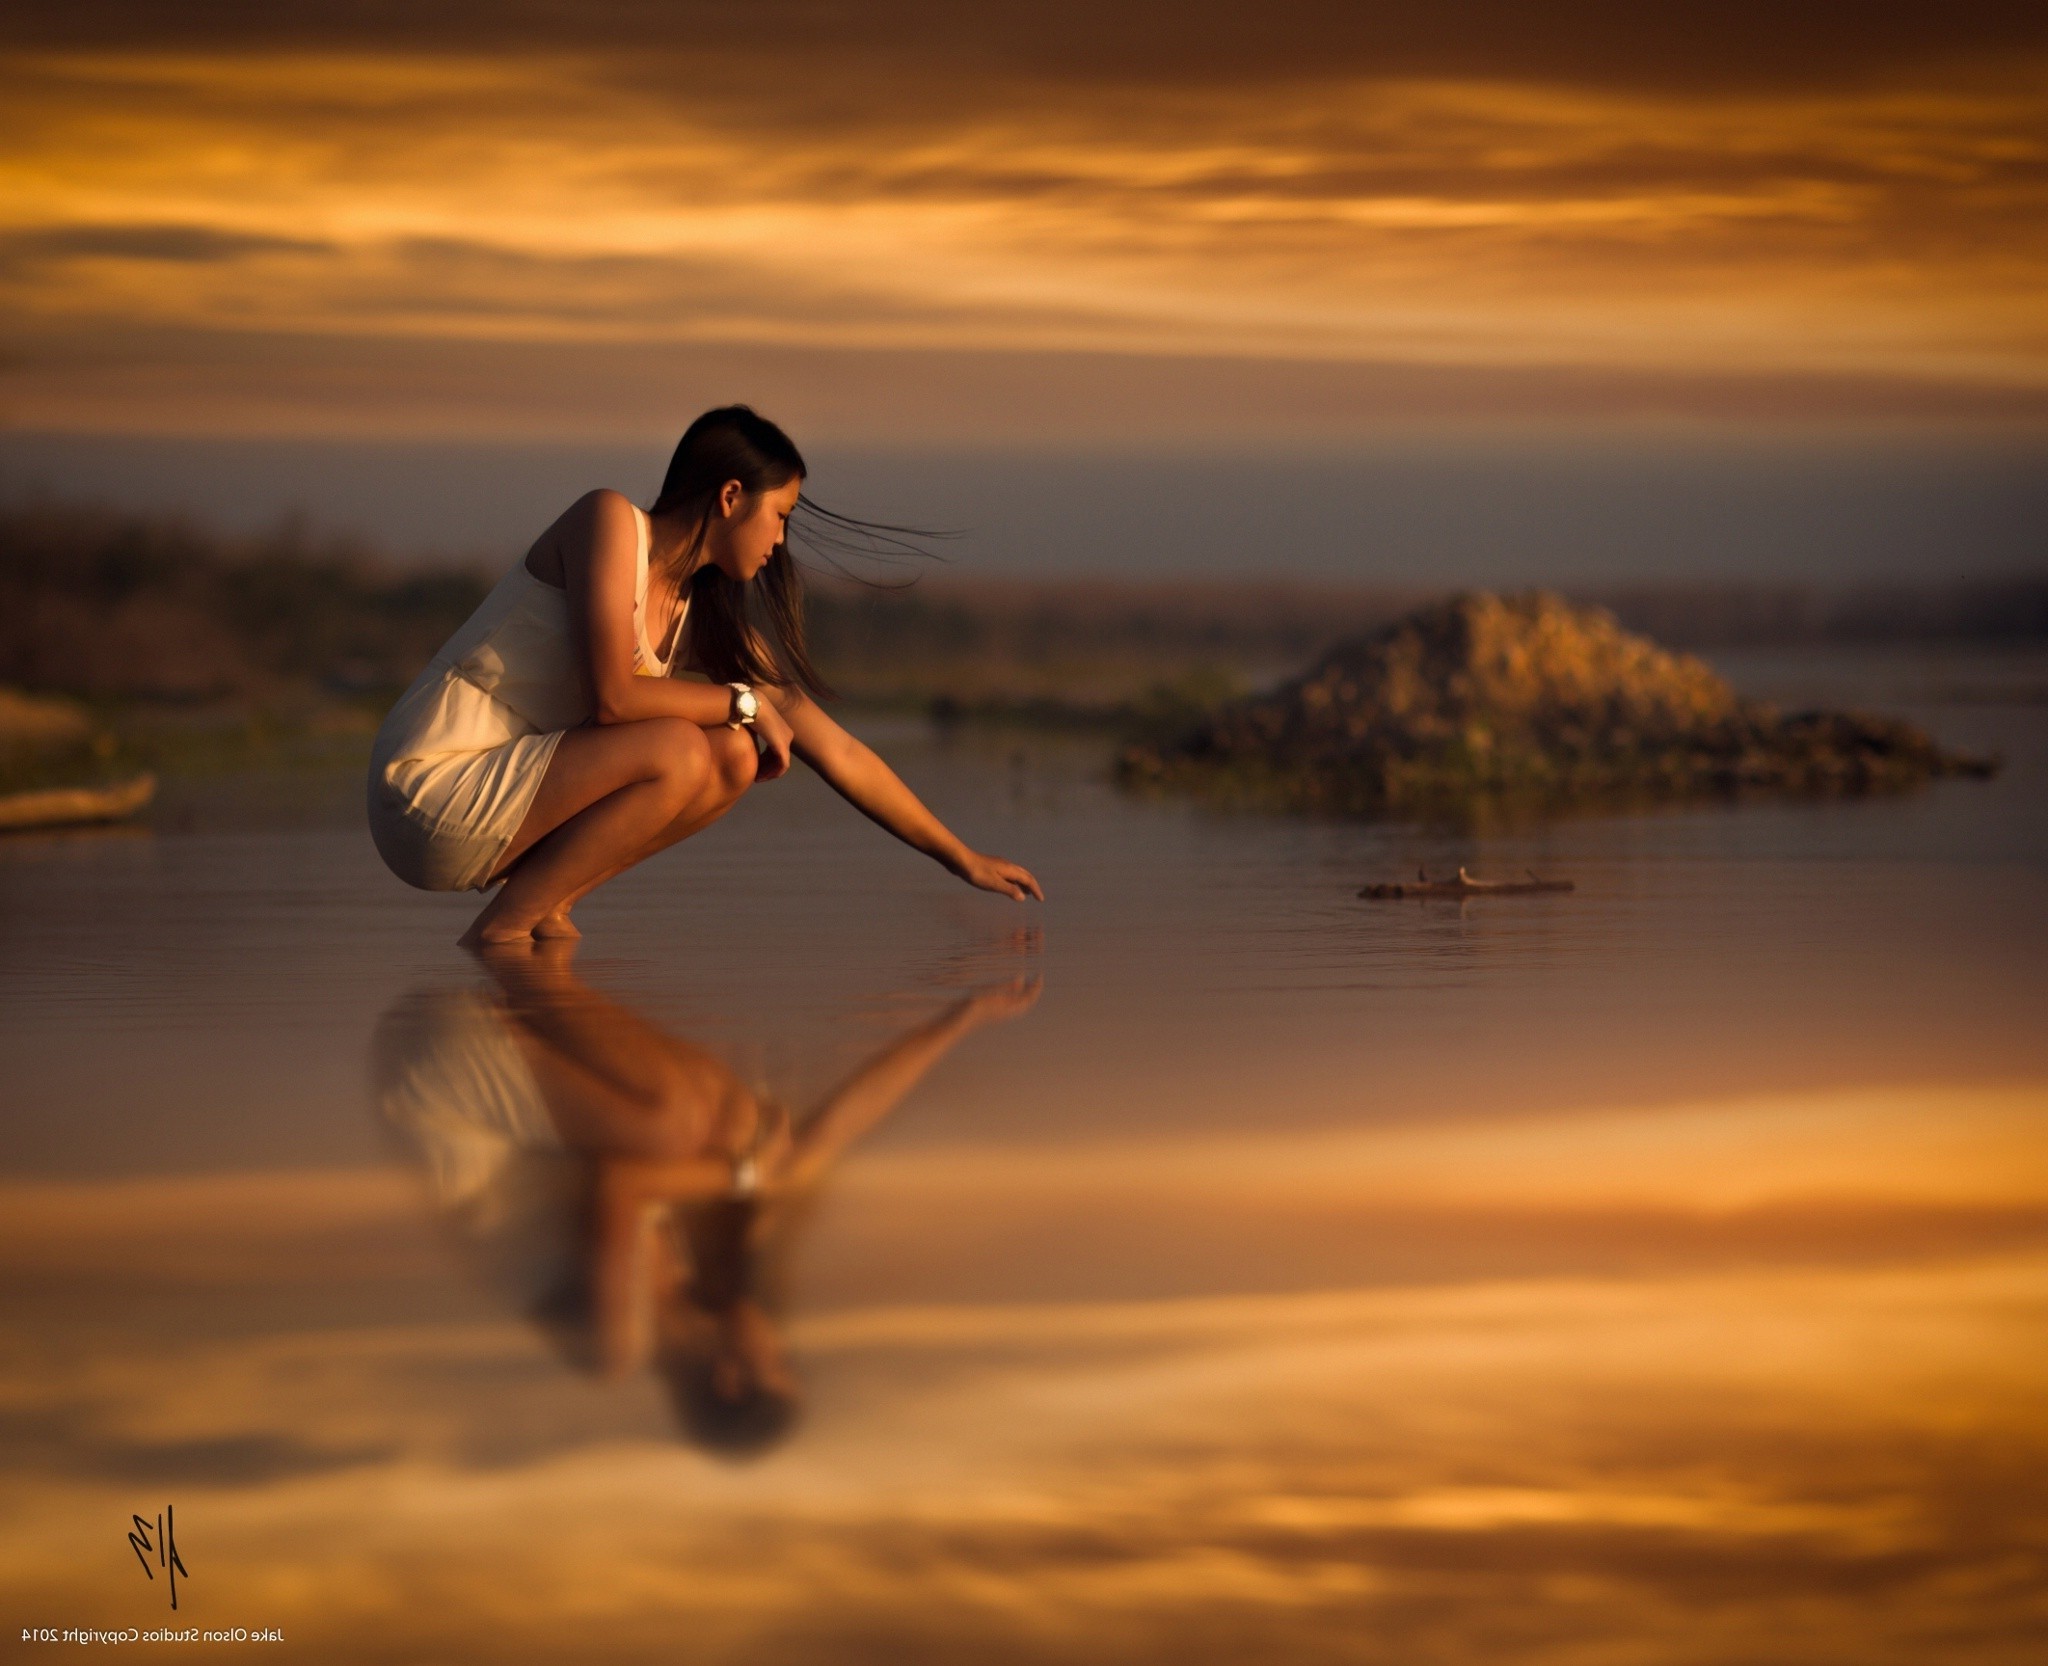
{"points": [[1464, 886], [73, 806]]}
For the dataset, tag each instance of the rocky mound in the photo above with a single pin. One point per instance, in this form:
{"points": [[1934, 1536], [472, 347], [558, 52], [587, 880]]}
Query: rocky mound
{"points": [[1524, 694]]}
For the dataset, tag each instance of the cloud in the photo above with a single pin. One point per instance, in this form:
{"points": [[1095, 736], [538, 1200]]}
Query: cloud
{"points": [[90, 377], [180, 245], [1354, 210], [1687, 44]]}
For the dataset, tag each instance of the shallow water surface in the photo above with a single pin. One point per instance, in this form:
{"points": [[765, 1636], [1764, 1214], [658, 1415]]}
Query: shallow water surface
{"points": [[826, 1262]]}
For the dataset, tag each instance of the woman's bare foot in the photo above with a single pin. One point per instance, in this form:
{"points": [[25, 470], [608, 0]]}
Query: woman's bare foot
{"points": [[557, 924], [491, 929], [483, 936]]}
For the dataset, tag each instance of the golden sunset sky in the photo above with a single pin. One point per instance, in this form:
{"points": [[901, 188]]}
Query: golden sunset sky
{"points": [[916, 220]]}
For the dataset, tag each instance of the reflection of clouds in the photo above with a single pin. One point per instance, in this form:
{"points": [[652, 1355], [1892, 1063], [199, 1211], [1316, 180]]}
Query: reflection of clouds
{"points": [[1825, 1461], [1814, 1451], [1918, 1145], [556, 198]]}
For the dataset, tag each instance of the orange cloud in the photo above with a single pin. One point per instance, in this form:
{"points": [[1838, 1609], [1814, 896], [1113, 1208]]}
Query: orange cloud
{"points": [[543, 200]]}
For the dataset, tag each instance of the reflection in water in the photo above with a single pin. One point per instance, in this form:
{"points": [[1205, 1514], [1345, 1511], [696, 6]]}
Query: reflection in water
{"points": [[1726, 1382], [624, 1185], [1658, 1280]]}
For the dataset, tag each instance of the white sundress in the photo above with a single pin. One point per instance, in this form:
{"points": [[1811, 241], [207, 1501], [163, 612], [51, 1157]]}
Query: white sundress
{"points": [[457, 761]]}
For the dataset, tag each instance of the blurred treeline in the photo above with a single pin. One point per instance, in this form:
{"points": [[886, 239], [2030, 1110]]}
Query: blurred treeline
{"points": [[121, 609], [1758, 615], [112, 607]]}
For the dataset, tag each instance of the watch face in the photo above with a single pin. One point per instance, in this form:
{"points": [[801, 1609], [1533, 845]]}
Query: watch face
{"points": [[748, 705]]}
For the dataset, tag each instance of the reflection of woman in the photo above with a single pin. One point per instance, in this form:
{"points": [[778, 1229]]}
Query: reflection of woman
{"points": [[622, 1180], [609, 698]]}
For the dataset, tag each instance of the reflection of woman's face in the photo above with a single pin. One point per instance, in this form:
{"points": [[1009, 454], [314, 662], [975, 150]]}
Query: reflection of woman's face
{"points": [[750, 1355], [726, 1368]]}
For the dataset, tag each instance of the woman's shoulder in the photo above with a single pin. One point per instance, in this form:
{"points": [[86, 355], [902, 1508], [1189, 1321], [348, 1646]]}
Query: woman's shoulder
{"points": [[597, 519], [602, 508]]}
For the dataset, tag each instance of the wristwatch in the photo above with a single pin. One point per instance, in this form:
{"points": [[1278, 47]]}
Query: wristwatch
{"points": [[745, 707]]}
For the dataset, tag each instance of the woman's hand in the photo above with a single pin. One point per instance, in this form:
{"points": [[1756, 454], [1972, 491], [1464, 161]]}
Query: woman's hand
{"points": [[992, 873], [775, 737]]}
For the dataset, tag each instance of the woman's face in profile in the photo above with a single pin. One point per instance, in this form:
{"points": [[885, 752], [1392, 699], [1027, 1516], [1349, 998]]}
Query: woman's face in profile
{"points": [[741, 543]]}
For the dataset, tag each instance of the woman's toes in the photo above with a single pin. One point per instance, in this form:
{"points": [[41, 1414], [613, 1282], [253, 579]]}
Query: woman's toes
{"points": [[487, 937]]}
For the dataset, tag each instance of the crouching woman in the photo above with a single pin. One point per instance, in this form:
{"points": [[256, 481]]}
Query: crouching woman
{"points": [[608, 699]]}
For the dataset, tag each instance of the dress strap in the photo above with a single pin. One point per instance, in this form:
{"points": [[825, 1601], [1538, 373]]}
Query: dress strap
{"points": [[644, 649]]}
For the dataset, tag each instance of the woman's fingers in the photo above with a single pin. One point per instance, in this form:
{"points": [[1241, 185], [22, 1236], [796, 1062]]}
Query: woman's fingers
{"points": [[1022, 884], [992, 873], [772, 729]]}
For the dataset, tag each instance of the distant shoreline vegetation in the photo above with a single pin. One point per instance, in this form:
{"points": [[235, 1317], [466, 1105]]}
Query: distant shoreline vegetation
{"points": [[185, 647], [1525, 698]]}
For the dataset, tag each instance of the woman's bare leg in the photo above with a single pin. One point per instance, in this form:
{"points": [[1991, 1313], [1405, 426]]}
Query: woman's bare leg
{"points": [[607, 794], [734, 759]]}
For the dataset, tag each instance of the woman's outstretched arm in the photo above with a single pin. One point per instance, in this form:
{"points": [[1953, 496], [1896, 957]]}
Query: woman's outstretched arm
{"points": [[860, 777]]}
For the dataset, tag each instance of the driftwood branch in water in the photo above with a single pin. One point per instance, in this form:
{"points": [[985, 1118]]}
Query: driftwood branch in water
{"points": [[67, 806], [1464, 886]]}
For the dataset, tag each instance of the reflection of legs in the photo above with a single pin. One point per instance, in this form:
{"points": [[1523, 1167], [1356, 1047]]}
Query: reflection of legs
{"points": [[733, 759], [611, 795]]}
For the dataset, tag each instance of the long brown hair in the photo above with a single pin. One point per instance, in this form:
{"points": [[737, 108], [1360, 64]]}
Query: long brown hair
{"points": [[733, 442]]}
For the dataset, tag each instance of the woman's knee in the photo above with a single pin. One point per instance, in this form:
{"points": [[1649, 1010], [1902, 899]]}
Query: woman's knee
{"points": [[675, 757], [734, 759]]}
